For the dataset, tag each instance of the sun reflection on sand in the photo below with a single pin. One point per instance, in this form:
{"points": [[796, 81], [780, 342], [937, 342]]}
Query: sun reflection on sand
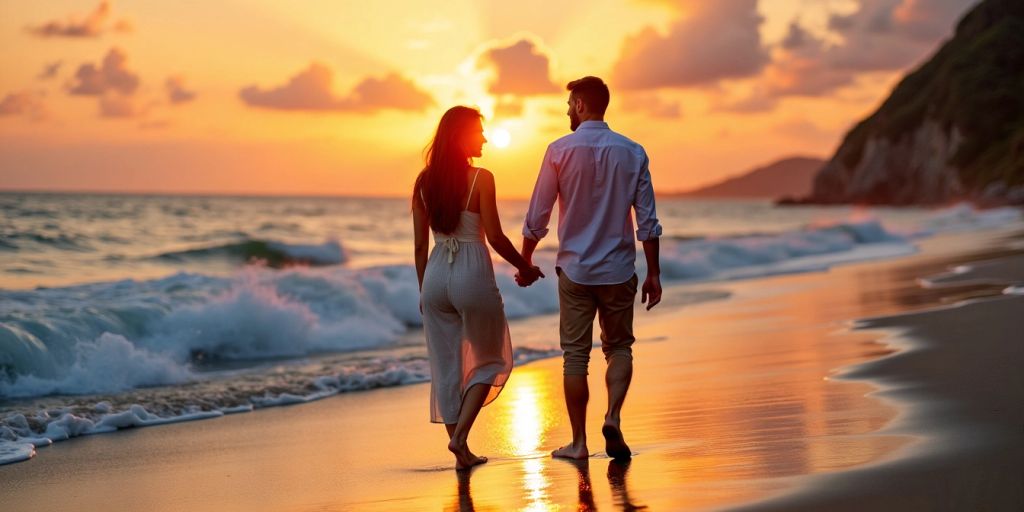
{"points": [[528, 412], [535, 483]]}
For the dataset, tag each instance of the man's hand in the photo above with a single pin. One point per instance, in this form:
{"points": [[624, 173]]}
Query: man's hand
{"points": [[529, 276], [651, 294]]}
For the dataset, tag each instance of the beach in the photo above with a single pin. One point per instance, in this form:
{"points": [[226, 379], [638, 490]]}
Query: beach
{"points": [[854, 388]]}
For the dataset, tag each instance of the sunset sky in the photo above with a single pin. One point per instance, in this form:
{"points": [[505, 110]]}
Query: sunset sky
{"points": [[340, 97]]}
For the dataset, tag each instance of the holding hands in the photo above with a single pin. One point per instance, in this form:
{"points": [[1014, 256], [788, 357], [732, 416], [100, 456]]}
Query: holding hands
{"points": [[526, 277]]}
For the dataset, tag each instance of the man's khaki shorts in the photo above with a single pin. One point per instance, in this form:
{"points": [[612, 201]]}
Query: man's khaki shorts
{"points": [[578, 303]]}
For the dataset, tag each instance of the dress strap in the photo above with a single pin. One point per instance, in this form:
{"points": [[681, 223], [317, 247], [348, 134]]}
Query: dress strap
{"points": [[471, 185]]}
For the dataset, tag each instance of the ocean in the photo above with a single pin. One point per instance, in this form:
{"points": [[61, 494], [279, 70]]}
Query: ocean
{"points": [[132, 310]]}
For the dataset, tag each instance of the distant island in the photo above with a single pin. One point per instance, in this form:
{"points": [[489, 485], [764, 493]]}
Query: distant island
{"points": [[951, 130], [791, 176]]}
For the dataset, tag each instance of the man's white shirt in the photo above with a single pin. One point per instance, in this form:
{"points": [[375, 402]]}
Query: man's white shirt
{"points": [[598, 176]]}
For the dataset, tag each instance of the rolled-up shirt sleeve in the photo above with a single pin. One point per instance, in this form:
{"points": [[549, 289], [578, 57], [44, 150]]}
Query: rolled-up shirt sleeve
{"points": [[647, 225], [545, 192]]}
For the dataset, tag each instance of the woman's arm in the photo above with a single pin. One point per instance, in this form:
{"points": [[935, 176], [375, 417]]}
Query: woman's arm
{"points": [[492, 226], [421, 235]]}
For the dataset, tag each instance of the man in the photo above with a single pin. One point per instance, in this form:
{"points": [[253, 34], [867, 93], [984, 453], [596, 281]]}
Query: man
{"points": [[598, 176]]}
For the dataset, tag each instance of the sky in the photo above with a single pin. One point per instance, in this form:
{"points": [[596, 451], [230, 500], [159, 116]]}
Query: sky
{"points": [[339, 97]]}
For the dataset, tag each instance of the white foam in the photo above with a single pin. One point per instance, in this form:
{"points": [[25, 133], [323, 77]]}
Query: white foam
{"points": [[11, 452], [964, 217], [111, 337], [1014, 290], [807, 250], [108, 364], [138, 416]]}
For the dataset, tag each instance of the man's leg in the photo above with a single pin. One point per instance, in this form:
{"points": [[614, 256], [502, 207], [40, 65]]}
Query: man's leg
{"points": [[615, 313], [617, 379], [576, 325]]}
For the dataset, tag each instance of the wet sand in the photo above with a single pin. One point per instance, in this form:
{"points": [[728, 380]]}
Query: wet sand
{"points": [[734, 403]]}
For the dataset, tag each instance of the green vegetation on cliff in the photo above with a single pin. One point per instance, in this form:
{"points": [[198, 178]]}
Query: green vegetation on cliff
{"points": [[974, 83]]}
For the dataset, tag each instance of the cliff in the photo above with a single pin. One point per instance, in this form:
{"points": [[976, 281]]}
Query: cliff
{"points": [[951, 130]]}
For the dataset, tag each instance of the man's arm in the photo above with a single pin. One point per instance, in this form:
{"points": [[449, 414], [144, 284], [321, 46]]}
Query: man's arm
{"points": [[545, 192], [648, 231], [651, 294], [529, 245]]}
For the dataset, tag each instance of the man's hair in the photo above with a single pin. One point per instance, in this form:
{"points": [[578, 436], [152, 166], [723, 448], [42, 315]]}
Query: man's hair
{"points": [[593, 91]]}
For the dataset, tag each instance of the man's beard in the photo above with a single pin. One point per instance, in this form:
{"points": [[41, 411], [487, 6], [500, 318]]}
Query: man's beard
{"points": [[574, 121]]}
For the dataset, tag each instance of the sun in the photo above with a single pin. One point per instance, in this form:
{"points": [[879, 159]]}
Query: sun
{"points": [[499, 137]]}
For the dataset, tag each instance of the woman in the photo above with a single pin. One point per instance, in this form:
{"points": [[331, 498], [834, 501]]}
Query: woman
{"points": [[463, 315]]}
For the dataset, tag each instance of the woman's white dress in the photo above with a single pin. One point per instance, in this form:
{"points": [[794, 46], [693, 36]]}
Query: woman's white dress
{"points": [[464, 319]]}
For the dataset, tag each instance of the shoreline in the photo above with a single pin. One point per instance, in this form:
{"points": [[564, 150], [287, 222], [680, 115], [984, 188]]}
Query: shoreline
{"points": [[955, 376], [684, 441]]}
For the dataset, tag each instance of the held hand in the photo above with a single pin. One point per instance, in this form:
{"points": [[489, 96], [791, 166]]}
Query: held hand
{"points": [[527, 277], [651, 291]]}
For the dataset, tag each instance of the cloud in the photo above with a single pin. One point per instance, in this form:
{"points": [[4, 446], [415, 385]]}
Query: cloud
{"points": [[110, 82], [888, 35], [176, 91], [718, 40], [23, 103], [520, 69], [49, 70], [652, 105], [796, 37], [117, 105], [509, 107], [311, 89], [92, 25], [111, 75], [929, 20], [880, 36], [392, 92]]}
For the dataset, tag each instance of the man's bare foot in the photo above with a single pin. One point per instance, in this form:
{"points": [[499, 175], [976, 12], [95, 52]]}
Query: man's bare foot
{"points": [[464, 458], [571, 451], [614, 444]]}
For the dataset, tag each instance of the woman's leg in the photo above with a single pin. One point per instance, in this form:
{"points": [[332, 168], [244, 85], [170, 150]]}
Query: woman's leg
{"points": [[472, 402]]}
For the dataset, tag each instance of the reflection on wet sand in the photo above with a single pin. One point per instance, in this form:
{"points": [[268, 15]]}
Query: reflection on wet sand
{"points": [[741, 396], [585, 489], [537, 500], [617, 471]]}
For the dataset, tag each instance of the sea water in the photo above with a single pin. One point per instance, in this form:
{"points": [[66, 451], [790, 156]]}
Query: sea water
{"points": [[132, 310]]}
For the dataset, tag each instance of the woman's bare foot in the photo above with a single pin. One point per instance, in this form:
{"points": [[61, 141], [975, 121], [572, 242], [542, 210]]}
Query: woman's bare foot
{"points": [[615, 445], [463, 457], [572, 451]]}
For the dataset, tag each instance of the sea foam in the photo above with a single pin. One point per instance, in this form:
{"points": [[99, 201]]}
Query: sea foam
{"points": [[156, 332]]}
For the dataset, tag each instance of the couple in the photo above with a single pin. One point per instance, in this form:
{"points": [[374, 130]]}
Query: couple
{"points": [[598, 176]]}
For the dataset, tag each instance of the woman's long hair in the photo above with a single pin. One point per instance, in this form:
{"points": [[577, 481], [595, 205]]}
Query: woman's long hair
{"points": [[443, 184]]}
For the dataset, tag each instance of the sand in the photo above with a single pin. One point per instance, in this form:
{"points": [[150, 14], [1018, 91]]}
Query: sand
{"points": [[766, 400]]}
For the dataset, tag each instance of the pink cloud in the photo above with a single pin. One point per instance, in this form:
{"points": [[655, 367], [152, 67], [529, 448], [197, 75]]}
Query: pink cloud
{"points": [[520, 69], [176, 90], [49, 71], [23, 103], [312, 89], [111, 75], [881, 35], [718, 40], [117, 105], [92, 25], [886, 35], [652, 105]]}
